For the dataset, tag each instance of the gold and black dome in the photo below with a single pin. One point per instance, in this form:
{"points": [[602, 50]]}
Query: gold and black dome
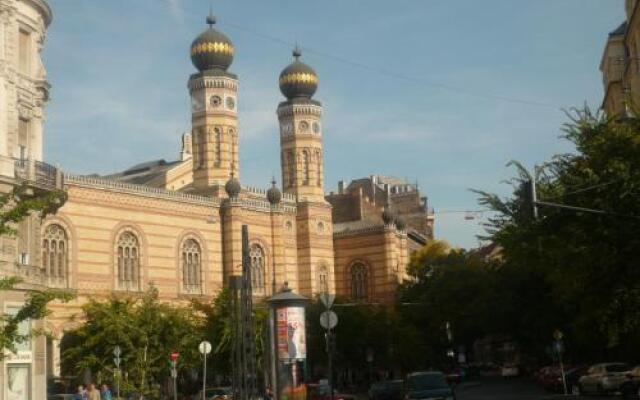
{"points": [[298, 80], [212, 49]]}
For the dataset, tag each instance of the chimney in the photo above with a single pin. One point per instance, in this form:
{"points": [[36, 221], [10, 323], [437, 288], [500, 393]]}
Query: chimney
{"points": [[340, 187]]}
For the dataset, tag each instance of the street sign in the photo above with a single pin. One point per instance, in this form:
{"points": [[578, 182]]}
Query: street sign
{"points": [[116, 351], [327, 299], [174, 373], [174, 356], [204, 347], [328, 320], [558, 335]]}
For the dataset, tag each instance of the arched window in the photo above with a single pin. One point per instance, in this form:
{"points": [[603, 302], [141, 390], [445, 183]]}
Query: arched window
{"points": [[55, 255], [292, 169], [218, 139], [323, 282], [256, 254], [319, 168], [359, 282], [191, 267], [305, 166], [128, 262]]}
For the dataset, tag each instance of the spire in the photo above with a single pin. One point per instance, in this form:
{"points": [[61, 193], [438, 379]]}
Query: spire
{"points": [[297, 52], [211, 19]]}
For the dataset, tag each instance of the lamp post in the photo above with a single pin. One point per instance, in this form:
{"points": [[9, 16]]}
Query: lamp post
{"points": [[116, 360], [204, 348]]}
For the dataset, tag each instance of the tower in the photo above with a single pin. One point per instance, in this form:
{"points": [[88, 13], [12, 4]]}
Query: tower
{"points": [[214, 120], [303, 175], [301, 132]]}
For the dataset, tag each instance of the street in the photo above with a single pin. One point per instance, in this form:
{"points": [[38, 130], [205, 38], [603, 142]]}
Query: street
{"points": [[512, 389]]}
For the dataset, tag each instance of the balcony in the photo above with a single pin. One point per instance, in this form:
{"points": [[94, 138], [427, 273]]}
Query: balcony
{"points": [[36, 174], [31, 275]]}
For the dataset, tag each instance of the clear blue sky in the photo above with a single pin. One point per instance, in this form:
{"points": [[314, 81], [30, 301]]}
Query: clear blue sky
{"points": [[119, 70]]}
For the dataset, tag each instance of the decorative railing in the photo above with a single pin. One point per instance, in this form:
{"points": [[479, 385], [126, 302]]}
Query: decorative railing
{"points": [[35, 173], [138, 189]]}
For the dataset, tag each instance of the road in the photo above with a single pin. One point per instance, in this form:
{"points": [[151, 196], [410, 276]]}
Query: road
{"points": [[509, 389]]}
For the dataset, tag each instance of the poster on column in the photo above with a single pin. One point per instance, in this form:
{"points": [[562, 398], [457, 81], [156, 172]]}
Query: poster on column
{"points": [[290, 326]]}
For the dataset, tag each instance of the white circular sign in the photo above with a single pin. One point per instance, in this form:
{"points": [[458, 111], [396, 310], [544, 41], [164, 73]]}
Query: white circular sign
{"points": [[204, 347], [328, 320]]}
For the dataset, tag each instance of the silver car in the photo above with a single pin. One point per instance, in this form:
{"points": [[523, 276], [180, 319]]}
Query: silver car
{"points": [[604, 378]]}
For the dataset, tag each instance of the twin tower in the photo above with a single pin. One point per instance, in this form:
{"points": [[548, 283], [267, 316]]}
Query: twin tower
{"points": [[215, 121]]}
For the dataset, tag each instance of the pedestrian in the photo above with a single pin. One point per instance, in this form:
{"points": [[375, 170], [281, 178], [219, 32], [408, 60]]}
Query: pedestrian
{"points": [[93, 393], [81, 394], [105, 393]]}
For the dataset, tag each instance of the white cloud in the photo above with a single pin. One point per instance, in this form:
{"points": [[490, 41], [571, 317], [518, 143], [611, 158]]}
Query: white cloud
{"points": [[175, 6]]}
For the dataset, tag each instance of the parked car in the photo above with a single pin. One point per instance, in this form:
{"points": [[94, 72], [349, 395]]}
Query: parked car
{"points": [[631, 387], [509, 370], [572, 376], [603, 378], [386, 390], [426, 385], [320, 391], [216, 393]]}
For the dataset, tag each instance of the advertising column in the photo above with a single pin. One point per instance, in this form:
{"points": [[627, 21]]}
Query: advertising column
{"points": [[290, 352]]}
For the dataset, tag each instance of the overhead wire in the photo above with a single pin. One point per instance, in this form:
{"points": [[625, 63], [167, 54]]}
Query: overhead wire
{"points": [[393, 74]]}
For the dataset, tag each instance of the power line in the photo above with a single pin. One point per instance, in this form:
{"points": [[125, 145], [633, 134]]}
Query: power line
{"points": [[396, 75]]}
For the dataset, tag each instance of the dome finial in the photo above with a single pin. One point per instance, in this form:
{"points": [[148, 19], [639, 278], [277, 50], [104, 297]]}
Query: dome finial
{"points": [[297, 52], [211, 19]]}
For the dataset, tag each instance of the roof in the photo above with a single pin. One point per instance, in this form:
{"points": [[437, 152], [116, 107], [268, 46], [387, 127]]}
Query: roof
{"points": [[145, 172], [620, 30], [341, 227]]}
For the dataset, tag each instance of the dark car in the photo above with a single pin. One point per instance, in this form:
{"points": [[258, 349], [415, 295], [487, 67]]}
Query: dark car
{"points": [[427, 385], [320, 391], [217, 393], [386, 390], [631, 388]]}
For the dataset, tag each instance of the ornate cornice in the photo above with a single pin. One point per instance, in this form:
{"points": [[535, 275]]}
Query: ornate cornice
{"points": [[288, 109], [212, 82], [140, 190]]}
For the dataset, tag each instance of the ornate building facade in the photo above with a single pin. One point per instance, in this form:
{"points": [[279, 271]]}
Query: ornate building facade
{"points": [[177, 224], [620, 65]]}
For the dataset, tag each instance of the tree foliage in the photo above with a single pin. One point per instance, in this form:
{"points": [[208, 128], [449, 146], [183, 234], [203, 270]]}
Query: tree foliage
{"points": [[15, 206], [585, 263]]}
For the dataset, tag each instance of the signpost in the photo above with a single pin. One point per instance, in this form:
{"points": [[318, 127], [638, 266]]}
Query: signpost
{"points": [[558, 346], [329, 320], [204, 348], [116, 360], [174, 373]]}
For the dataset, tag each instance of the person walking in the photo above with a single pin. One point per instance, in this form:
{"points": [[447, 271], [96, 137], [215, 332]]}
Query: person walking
{"points": [[93, 393], [105, 393], [81, 394]]}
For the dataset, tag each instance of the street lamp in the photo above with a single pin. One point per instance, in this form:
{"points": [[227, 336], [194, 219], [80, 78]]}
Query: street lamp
{"points": [[116, 360], [204, 348]]}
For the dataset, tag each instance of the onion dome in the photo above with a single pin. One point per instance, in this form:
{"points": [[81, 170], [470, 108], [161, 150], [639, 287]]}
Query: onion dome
{"points": [[388, 216], [212, 49], [298, 80], [232, 187], [401, 224], [273, 194]]}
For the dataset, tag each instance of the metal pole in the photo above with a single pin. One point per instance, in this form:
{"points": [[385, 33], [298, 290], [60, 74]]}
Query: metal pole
{"points": [[118, 384], [330, 359], [204, 378], [564, 379]]}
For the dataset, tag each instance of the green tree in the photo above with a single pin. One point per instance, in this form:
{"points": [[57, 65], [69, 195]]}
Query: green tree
{"points": [[147, 331], [584, 263], [15, 206]]}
